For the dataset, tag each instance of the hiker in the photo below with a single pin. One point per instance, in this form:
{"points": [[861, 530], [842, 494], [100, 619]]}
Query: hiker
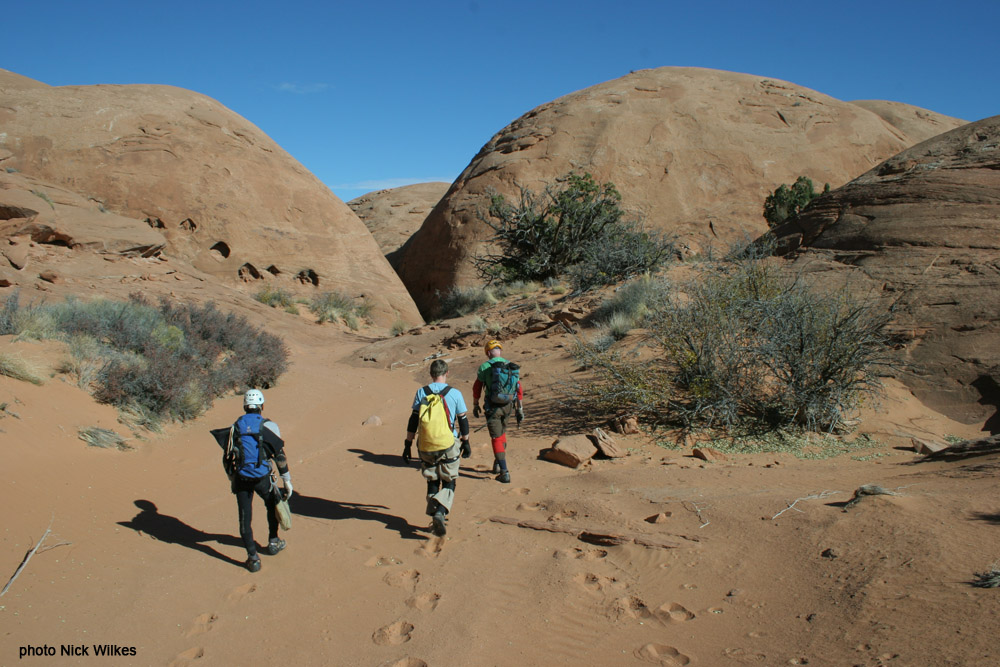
{"points": [[500, 381], [260, 440], [439, 415]]}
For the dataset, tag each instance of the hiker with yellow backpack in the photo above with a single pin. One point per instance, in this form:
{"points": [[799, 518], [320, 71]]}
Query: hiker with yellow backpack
{"points": [[437, 419]]}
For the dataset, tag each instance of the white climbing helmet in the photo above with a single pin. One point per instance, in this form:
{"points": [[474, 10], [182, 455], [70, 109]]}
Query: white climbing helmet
{"points": [[253, 397]]}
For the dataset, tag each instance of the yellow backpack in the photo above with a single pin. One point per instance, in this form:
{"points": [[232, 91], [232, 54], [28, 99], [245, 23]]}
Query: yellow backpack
{"points": [[434, 432]]}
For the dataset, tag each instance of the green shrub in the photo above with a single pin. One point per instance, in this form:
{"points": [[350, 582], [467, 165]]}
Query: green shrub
{"points": [[461, 301], [787, 202], [580, 223], [334, 306], [166, 360], [746, 346], [398, 328], [633, 300], [275, 297]]}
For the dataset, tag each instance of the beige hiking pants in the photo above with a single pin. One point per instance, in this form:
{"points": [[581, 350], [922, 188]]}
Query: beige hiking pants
{"points": [[441, 466]]}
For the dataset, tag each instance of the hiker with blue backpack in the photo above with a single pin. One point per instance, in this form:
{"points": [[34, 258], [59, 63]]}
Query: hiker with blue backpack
{"points": [[499, 381], [439, 423], [255, 441]]}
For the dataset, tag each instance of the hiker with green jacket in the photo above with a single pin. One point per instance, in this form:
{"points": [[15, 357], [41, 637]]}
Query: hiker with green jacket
{"points": [[439, 416], [499, 381]]}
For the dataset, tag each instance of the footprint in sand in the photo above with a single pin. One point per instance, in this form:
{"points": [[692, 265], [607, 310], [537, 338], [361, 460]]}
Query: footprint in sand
{"points": [[744, 656], [673, 612], [187, 656], [580, 554], [431, 548], [241, 592], [530, 507], [393, 634], [425, 602], [405, 662], [202, 624], [629, 608], [596, 582], [661, 654], [520, 491], [382, 561], [405, 579]]}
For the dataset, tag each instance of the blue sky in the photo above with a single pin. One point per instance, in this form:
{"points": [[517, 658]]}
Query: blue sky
{"points": [[374, 94]]}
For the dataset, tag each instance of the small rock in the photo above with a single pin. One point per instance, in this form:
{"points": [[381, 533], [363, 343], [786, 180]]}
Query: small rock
{"points": [[374, 420], [566, 316], [829, 553], [17, 255], [50, 277], [658, 518], [606, 444], [572, 451], [709, 454], [735, 592], [926, 446]]}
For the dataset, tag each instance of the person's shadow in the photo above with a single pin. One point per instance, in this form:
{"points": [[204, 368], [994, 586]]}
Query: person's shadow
{"points": [[171, 530], [396, 461], [321, 508]]}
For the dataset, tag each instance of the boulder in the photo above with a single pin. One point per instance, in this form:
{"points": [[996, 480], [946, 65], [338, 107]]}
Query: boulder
{"points": [[572, 451], [223, 195], [922, 230], [925, 447], [393, 215], [606, 445], [694, 152]]}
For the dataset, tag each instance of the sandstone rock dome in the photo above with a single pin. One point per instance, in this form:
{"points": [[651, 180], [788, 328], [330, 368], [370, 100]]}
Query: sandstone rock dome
{"points": [[394, 214], [224, 195], [924, 228], [693, 151]]}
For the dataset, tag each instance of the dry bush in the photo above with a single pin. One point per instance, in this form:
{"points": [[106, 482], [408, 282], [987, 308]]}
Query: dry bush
{"points": [[13, 366]]}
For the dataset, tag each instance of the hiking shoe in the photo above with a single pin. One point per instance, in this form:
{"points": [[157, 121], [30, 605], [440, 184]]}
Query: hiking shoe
{"points": [[437, 523], [496, 468], [253, 564], [504, 477], [274, 546]]}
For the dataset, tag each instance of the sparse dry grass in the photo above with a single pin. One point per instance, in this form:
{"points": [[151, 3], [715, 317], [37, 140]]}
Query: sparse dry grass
{"points": [[13, 366], [104, 438]]}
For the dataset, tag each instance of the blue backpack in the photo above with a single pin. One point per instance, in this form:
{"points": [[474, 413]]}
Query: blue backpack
{"points": [[245, 455], [504, 376]]}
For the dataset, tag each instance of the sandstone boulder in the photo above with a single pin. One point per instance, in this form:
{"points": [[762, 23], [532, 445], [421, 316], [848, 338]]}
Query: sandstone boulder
{"points": [[393, 215], [922, 229], [693, 151], [572, 450], [225, 196]]}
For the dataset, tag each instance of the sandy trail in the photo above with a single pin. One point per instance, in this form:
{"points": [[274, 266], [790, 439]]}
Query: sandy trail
{"points": [[154, 560]]}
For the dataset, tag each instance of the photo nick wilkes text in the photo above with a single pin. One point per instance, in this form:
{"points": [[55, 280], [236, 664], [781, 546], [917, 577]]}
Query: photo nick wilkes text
{"points": [[76, 650]]}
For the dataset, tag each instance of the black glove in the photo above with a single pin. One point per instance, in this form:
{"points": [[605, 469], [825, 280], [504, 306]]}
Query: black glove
{"points": [[519, 413], [476, 412], [407, 451], [466, 449]]}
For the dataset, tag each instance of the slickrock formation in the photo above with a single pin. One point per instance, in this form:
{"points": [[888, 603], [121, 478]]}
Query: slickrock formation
{"points": [[693, 151], [393, 215], [225, 196], [924, 228]]}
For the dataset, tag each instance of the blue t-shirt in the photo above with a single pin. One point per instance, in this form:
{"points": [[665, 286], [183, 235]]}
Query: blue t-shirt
{"points": [[453, 399]]}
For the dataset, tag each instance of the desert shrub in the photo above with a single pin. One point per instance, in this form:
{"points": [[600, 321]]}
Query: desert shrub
{"points": [[399, 327], [461, 301], [29, 321], [577, 222], [746, 346], [17, 368], [337, 306], [156, 361], [275, 297], [633, 300], [95, 436], [787, 202], [988, 579], [477, 324]]}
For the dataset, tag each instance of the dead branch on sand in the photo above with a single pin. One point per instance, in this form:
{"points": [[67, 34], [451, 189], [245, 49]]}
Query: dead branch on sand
{"points": [[28, 556], [697, 510], [816, 496]]}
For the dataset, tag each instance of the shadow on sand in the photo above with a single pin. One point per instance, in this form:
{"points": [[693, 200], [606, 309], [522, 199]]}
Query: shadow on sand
{"points": [[171, 530], [321, 508]]}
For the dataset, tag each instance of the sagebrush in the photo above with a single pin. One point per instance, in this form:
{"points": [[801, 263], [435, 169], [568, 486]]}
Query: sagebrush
{"points": [[744, 345]]}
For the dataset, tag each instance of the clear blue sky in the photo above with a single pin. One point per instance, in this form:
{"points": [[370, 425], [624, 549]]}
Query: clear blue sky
{"points": [[378, 94]]}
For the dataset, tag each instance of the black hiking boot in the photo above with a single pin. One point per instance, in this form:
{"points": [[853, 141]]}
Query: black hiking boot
{"points": [[437, 523], [275, 545], [253, 564], [504, 477]]}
